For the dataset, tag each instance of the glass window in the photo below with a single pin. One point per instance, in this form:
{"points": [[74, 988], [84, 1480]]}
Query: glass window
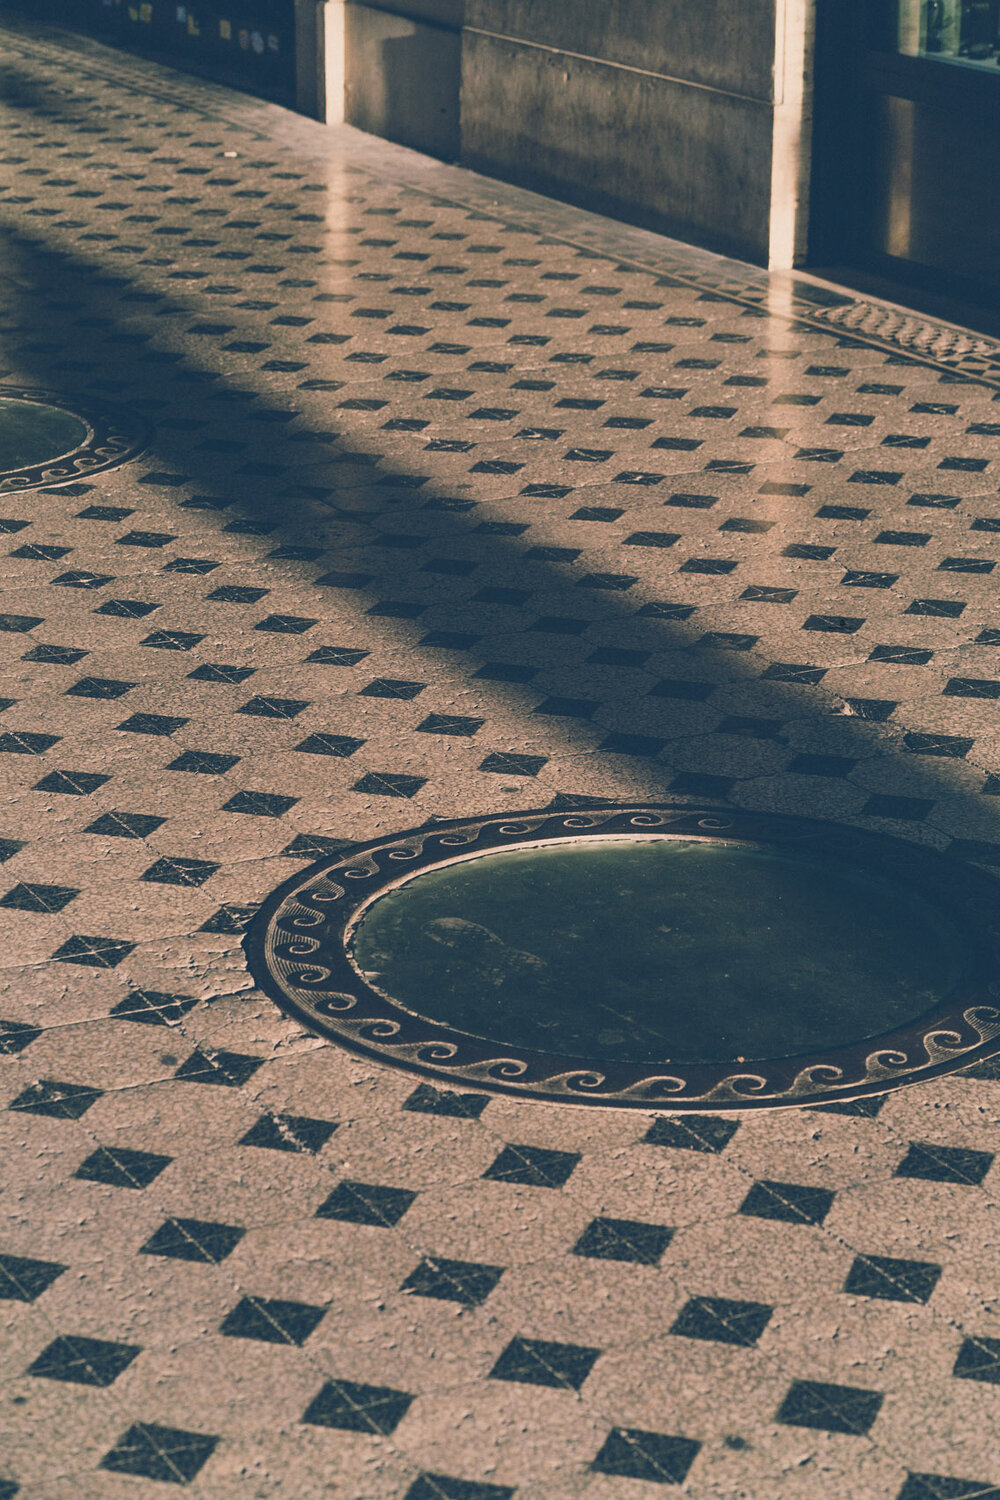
{"points": [[965, 33]]}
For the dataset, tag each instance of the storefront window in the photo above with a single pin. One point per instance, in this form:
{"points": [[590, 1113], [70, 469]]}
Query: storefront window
{"points": [[965, 33]]}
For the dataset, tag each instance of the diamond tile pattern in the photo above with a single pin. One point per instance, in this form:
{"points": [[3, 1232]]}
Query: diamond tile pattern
{"points": [[652, 1456], [168, 1454], [84, 1361], [454, 499]]}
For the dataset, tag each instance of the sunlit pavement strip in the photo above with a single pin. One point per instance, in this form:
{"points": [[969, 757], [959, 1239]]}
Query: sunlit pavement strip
{"points": [[443, 515]]}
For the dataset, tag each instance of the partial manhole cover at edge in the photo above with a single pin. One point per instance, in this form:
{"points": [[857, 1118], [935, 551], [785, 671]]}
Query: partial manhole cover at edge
{"points": [[652, 957], [45, 439]]}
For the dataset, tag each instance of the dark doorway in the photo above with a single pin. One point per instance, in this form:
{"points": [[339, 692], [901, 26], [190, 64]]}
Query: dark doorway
{"points": [[905, 198]]}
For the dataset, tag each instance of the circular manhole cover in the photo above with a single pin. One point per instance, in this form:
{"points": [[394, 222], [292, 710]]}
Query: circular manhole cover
{"points": [[649, 957], [45, 440]]}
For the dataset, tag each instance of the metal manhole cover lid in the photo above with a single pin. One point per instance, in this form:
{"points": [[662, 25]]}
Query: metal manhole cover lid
{"points": [[643, 957], [47, 439]]}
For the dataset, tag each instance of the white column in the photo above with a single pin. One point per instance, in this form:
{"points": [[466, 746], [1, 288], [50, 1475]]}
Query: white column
{"points": [[791, 151], [320, 61]]}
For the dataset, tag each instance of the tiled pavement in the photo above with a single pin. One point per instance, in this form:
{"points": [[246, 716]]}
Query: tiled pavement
{"points": [[441, 515]]}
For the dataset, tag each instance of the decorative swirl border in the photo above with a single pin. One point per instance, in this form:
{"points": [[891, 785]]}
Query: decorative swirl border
{"points": [[297, 950], [113, 437]]}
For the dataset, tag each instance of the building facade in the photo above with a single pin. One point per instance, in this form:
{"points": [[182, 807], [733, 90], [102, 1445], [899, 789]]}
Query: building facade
{"points": [[855, 136]]}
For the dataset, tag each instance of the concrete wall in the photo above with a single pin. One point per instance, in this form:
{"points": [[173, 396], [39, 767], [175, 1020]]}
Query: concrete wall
{"points": [[659, 112]]}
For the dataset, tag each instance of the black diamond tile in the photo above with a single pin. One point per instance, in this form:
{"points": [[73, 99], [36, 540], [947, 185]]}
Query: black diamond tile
{"points": [[171, 870], [659, 539], [507, 763], [971, 687], [119, 1167], [357, 1407], [93, 952], [230, 1069], [945, 1164], [949, 609], [40, 898], [125, 825], [832, 1408], [750, 728], [633, 744], [808, 551], [203, 763], [171, 640], [366, 1203], [341, 746], [154, 1007], [800, 672], [289, 1133], [444, 1487], [337, 656], [821, 765], [907, 809], [165, 1453], [19, 624], [15, 1036], [951, 747], [532, 1166], [450, 640], [726, 640], [865, 1108], [199, 566], [20, 742], [215, 671], [721, 565], [979, 1359], [397, 609], [708, 1133], [152, 724], [759, 593], [230, 918], [102, 512], [9, 847], [723, 1320], [538, 1362], [904, 656], [286, 624], [834, 624], [84, 1361], [427, 1100], [389, 784], [77, 579], [272, 1320], [943, 1487], [892, 1280], [566, 708], [314, 846], [273, 708], [62, 656], [633, 1454], [63, 1101], [259, 804], [789, 1201], [859, 579], [145, 539], [71, 783], [624, 1239], [23, 1279], [126, 609], [462, 1281]]}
